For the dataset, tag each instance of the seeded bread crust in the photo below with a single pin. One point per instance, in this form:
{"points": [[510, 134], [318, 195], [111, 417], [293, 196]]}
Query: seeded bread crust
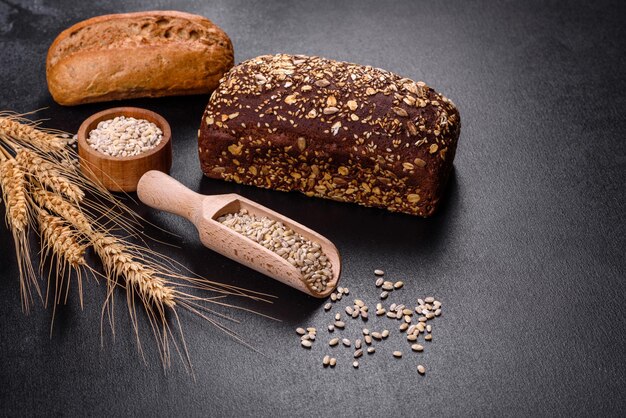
{"points": [[130, 55], [331, 129]]}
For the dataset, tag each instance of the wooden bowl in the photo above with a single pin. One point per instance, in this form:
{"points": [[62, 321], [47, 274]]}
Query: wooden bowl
{"points": [[121, 174]]}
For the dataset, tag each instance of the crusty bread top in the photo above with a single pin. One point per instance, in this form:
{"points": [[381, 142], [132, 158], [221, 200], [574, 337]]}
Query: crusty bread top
{"points": [[374, 114], [128, 30]]}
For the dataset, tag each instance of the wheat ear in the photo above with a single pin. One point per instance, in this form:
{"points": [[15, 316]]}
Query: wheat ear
{"points": [[63, 243], [24, 131], [47, 173], [13, 184], [66, 210]]}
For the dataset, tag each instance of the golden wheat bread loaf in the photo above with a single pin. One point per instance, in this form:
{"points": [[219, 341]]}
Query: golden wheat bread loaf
{"points": [[331, 129], [143, 54]]}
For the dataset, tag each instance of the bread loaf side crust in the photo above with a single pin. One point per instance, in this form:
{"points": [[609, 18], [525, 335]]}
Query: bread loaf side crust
{"points": [[331, 129], [144, 54]]}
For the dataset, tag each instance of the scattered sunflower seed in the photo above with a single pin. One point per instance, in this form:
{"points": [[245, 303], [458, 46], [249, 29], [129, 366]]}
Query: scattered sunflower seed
{"points": [[332, 362], [398, 284], [306, 343], [428, 337], [326, 361], [300, 331], [379, 272], [371, 350], [358, 353], [397, 354], [379, 282], [346, 342], [384, 295], [417, 347], [355, 364], [328, 306], [421, 369], [340, 324], [333, 342]]}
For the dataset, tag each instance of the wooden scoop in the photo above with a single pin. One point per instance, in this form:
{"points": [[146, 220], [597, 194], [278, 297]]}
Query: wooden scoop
{"points": [[161, 191]]}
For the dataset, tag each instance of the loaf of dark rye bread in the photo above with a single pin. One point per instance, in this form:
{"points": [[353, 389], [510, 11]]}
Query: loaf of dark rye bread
{"points": [[331, 129], [142, 54]]}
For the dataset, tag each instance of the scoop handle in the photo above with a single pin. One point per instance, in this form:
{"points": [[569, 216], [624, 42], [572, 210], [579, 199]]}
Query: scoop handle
{"points": [[160, 191]]}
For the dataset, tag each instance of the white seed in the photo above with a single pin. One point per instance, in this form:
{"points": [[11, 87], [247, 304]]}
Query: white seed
{"points": [[368, 339], [429, 299], [366, 331], [355, 364], [417, 347], [326, 361], [379, 272], [379, 282], [303, 254], [384, 295], [357, 343], [340, 324], [349, 310], [337, 316], [327, 307], [371, 350], [346, 342], [385, 333], [331, 328], [358, 353], [377, 335], [428, 337], [403, 326], [411, 337], [333, 342], [429, 328], [397, 354], [311, 330], [398, 284], [300, 331], [387, 286], [421, 369], [421, 302], [332, 362], [306, 343], [438, 312]]}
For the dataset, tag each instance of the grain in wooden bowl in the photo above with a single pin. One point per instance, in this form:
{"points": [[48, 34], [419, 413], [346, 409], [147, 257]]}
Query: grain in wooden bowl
{"points": [[119, 173]]}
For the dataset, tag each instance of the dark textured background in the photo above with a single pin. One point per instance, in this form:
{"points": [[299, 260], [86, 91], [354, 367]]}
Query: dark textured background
{"points": [[527, 253]]}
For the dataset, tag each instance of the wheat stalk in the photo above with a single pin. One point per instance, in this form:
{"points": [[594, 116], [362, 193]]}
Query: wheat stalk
{"points": [[13, 184], [60, 240], [39, 176]]}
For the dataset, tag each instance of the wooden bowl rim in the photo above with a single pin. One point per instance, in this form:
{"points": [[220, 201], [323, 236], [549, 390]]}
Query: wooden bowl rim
{"points": [[89, 124]]}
